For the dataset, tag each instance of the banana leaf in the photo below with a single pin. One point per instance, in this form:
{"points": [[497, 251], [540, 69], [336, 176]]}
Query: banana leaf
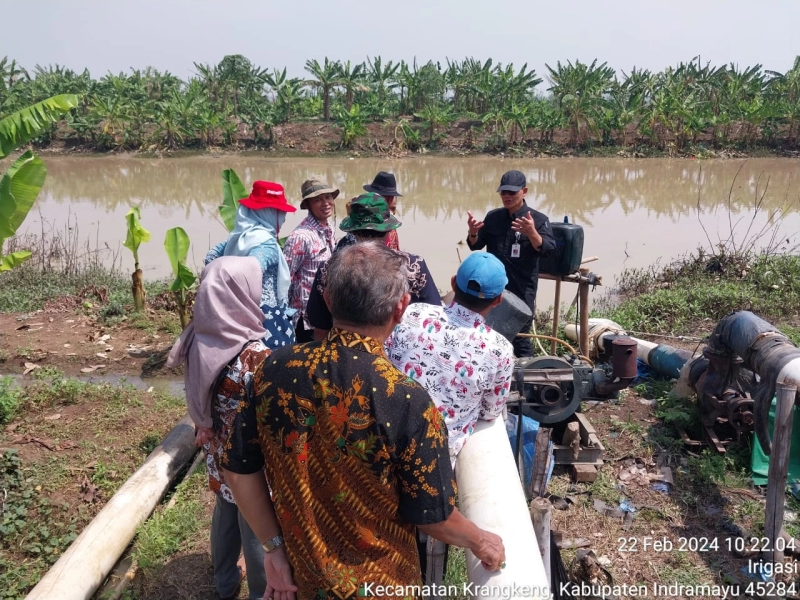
{"points": [[24, 125], [176, 244], [183, 280], [14, 259], [232, 192], [136, 233], [19, 188], [7, 208]]}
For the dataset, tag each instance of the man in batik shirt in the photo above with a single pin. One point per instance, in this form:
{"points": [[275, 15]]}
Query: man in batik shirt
{"points": [[355, 452], [309, 247]]}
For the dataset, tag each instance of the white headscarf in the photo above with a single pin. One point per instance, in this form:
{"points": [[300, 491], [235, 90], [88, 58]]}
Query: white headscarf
{"points": [[256, 227]]}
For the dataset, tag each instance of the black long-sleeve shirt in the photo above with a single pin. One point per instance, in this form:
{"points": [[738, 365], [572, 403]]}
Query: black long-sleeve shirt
{"points": [[498, 238]]}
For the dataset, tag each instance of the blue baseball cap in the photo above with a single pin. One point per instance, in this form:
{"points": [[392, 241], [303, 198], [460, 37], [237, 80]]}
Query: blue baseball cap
{"points": [[482, 275]]}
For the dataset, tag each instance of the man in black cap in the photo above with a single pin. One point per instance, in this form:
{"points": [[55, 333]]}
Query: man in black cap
{"points": [[385, 184], [518, 235]]}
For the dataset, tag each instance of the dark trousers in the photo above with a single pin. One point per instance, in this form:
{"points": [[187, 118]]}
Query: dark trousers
{"points": [[301, 333], [522, 345], [422, 550]]}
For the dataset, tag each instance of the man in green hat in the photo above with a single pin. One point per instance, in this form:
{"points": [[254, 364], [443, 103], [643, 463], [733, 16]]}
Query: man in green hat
{"points": [[369, 220]]}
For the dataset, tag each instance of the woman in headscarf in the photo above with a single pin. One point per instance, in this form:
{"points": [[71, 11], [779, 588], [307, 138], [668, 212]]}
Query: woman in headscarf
{"points": [[220, 348], [258, 222]]}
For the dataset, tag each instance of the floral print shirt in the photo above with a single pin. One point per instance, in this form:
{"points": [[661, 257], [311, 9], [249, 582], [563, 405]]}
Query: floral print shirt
{"points": [[230, 398], [356, 455], [464, 364], [307, 248]]}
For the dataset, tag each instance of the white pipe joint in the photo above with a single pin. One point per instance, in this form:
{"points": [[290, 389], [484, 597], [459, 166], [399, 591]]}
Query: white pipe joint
{"points": [[491, 495]]}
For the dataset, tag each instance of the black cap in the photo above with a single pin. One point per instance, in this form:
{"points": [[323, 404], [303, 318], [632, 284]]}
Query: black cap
{"points": [[513, 181], [384, 184]]}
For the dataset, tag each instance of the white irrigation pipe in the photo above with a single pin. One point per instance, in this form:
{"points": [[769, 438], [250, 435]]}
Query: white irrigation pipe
{"points": [[490, 494], [90, 558]]}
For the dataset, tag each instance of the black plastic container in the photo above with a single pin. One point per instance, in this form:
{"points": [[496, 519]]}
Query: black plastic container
{"points": [[509, 317], [567, 256]]}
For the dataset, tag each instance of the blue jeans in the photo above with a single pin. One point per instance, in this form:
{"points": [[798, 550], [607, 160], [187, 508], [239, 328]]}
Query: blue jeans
{"points": [[231, 534]]}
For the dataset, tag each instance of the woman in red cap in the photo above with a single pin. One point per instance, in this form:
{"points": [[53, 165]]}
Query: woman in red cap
{"points": [[258, 222]]}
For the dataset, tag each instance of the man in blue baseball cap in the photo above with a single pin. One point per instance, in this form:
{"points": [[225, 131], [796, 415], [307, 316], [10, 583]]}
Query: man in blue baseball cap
{"points": [[465, 365], [518, 235]]}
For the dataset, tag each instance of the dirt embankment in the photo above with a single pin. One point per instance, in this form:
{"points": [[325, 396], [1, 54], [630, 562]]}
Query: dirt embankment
{"points": [[461, 138]]}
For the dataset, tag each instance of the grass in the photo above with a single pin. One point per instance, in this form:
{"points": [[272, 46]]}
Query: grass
{"points": [[99, 434], [696, 291], [26, 288], [9, 400], [164, 533]]}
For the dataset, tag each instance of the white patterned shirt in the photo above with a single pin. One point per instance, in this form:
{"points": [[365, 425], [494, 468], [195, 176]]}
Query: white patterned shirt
{"points": [[465, 366]]}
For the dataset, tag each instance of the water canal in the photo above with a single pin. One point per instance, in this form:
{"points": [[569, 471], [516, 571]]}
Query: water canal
{"points": [[635, 212]]}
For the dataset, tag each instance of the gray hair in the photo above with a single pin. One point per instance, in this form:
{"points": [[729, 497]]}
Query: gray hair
{"points": [[365, 282]]}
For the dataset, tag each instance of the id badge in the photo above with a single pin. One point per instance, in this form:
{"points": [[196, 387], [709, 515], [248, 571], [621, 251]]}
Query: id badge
{"points": [[515, 250]]}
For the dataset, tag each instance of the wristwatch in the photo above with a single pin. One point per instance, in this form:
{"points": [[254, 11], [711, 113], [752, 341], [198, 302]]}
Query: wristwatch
{"points": [[272, 544]]}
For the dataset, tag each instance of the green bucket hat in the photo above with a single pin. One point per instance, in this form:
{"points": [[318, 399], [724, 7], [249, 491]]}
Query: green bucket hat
{"points": [[369, 211]]}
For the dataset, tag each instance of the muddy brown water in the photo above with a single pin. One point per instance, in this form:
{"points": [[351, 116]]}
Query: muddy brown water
{"points": [[635, 212]]}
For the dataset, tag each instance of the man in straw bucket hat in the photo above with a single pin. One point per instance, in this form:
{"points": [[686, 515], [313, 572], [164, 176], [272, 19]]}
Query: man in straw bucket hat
{"points": [[370, 220], [309, 247]]}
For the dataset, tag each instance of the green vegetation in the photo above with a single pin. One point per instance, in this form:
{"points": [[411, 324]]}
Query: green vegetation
{"points": [[33, 531], [91, 437], [30, 287], [695, 292], [161, 536], [21, 183], [135, 237], [9, 400], [176, 244], [236, 103]]}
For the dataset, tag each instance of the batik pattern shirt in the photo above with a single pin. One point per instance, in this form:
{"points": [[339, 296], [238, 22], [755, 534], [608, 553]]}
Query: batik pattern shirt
{"points": [[464, 364], [230, 398], [420, 286], [307, 248], [356, 455], [392, 240]]}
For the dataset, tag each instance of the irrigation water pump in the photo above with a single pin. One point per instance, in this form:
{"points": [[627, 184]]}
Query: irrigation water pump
{"points": [[551, 388]]}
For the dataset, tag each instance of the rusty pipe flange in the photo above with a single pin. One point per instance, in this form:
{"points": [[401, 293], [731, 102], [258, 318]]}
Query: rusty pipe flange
{"points": [[740, 411]]}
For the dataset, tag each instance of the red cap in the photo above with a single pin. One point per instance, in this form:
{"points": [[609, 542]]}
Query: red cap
{"points": [[267, 194]]}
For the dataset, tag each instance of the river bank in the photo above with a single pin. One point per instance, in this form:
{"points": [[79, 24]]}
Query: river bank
{"points": [[318, 138]]}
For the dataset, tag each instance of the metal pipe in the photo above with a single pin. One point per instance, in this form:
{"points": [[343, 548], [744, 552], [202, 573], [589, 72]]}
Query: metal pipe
{"points": [[89, 559], [778, 470], [664, 359], [500, 508], [556, 311]]}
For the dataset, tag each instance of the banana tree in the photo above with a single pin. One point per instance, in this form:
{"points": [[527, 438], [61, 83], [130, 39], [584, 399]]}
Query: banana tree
{"points": [[176, 244], [136, 236], [21, 184], [232, 191]]}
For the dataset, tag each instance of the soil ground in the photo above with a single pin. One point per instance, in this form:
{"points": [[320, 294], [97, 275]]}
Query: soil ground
{"points": [[87, 445]]}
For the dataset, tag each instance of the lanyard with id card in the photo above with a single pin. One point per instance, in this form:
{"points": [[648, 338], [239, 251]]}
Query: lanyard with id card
{"points": [[515, 248]]}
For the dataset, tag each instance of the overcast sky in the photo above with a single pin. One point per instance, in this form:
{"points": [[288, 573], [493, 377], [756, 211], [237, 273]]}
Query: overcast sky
{"points": [[115, 35]]}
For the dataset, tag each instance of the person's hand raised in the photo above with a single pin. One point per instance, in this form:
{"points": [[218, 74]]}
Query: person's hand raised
{"points": [[473, 224]]}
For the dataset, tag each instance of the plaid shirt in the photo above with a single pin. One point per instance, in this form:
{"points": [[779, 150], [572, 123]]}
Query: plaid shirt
{"points": [[308, 247]]}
